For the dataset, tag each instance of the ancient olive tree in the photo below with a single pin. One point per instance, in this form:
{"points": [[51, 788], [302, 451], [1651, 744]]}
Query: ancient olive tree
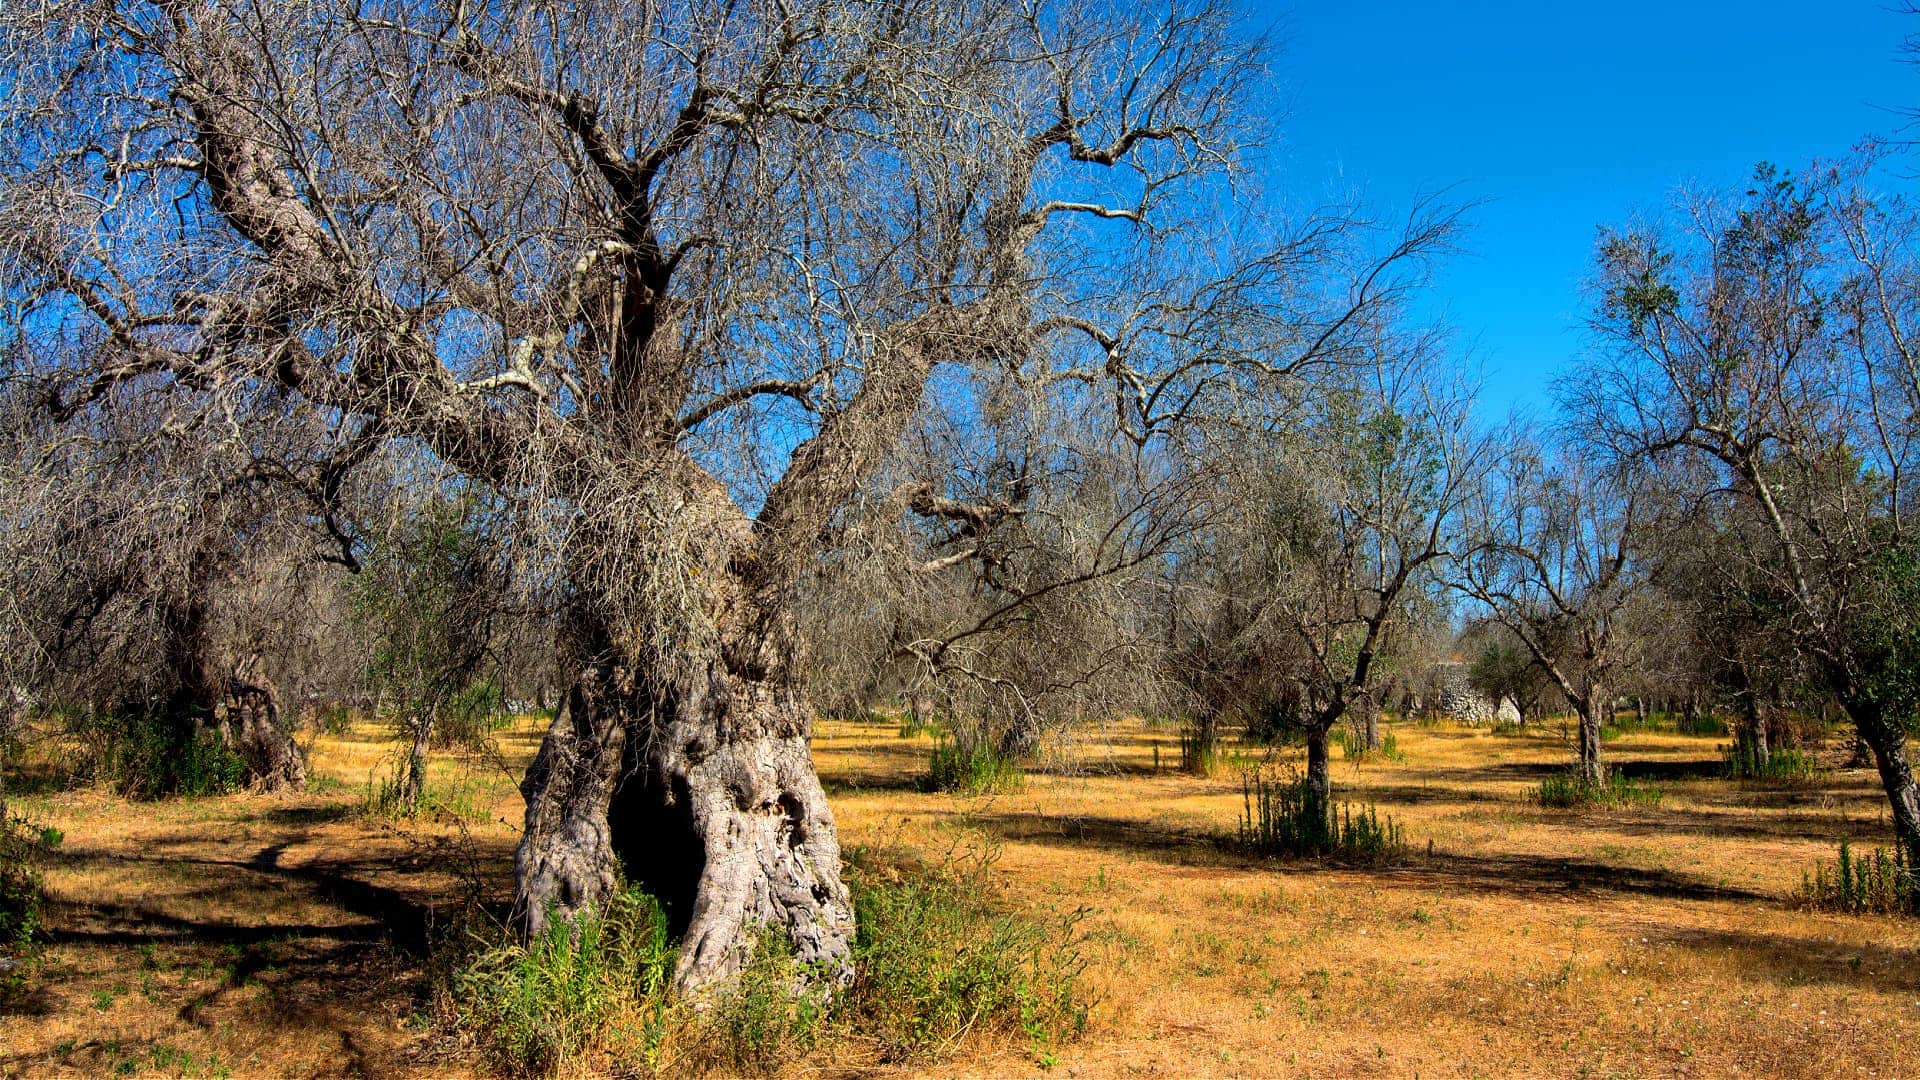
{"points": [[674, 281], [1762, 348]]}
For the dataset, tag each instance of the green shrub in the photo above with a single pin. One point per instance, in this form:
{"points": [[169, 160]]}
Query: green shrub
{"points": [[912, 728], [1621, 724], [1354, 747], [581, 996], [22, 899], [1745, 763], [145, 754], [771, 1014], [1289, 818], [935, 960], [1200, 748], [1876, 884], [1568, 790], [1390, 748], [1700, 724], [334, 720], [972, 768], [468, 717], [1351, 744], [460, 797]]}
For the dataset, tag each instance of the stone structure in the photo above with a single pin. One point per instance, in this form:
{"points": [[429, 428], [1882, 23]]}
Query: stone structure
{"points": [[1458, 699]]}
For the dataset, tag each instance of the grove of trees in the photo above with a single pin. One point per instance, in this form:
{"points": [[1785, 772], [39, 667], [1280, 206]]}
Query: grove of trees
{"points": [[695, 369]]}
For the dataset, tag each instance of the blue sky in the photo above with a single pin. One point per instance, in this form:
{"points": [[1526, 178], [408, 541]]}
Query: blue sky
{"points": [[1565, 117]]}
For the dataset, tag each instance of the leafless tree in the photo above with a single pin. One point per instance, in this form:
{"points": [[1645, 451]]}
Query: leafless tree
{"points": [[163, 570], [1348, 503], [1557, 566], [674, 280]]}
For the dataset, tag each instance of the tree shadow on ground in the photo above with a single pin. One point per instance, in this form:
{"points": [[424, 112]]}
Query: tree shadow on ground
{"points": [[1524, 771], [399, 917], [1709, 823], [1792, 960], [1389, 795], [1526, 875], [317, 979], [382, 909], [1670, 771]]}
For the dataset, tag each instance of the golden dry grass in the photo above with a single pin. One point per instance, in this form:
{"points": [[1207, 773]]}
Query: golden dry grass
{"points": [[281, 936]]}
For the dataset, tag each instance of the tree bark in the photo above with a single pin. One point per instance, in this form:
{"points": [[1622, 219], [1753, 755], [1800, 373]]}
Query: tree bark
{"points": [[1319, 766], [413, 781], [249, 720], [1593, 770], [1888, 739], [691, 777]]}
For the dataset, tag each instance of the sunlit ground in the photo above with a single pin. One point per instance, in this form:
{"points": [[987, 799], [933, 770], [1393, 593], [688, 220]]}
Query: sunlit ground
{"points": [[260, 936]]}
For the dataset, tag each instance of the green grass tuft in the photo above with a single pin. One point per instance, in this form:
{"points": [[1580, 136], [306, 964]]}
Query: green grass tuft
{"points": [[1876, 884], [1288, 818], [1567, 790], [971, 768]]}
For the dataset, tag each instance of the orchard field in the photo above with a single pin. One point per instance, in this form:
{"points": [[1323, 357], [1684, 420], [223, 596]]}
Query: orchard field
{"points": [[297, 935]]}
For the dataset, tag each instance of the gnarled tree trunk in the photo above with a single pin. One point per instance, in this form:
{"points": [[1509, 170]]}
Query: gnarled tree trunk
{"points": [[248, 718], [690, 775], [1887, 737], [1319, 764]]}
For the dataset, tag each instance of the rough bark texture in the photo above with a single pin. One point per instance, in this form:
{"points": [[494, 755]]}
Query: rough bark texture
{"points": [[413, 781], [1593, 712], [249, 720], [689, 775], [565, 862], [1319, 766], [1888, 740]]}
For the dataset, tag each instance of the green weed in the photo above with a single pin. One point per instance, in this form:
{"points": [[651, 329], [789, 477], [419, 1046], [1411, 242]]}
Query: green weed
{"points": [[1289, 818], [1568, 790], [1877, 884], [971, 768]]}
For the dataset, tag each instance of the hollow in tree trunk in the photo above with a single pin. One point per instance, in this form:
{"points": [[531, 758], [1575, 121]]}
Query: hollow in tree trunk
{"points": [[691, 776]]}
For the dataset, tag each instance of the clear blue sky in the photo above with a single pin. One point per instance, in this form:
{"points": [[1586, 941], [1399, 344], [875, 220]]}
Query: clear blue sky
{"points": [[1565, 117]]}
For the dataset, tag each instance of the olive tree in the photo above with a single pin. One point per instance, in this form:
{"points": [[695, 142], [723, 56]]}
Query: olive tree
{"points": [[674, 280], [1763, 345], [1347, 502], [1555, 562], [162, 574]]}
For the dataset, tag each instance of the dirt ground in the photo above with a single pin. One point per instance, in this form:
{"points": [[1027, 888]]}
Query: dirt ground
{"points": [[252, 936]]}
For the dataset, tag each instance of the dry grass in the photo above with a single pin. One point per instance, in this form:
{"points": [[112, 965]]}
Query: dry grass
{"points": [[1645, 942]]}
